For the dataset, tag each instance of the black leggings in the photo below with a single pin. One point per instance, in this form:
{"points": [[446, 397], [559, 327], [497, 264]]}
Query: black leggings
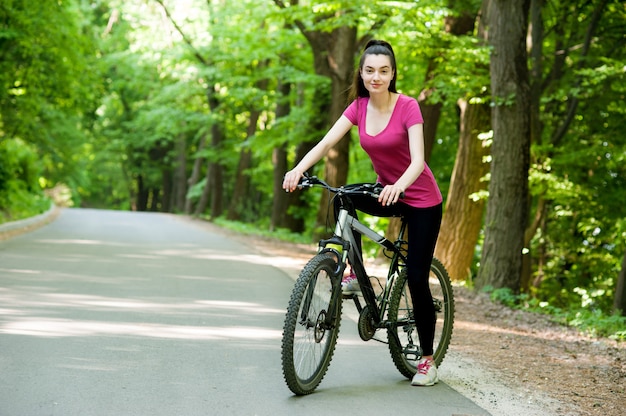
{"points": [[423, 229]]}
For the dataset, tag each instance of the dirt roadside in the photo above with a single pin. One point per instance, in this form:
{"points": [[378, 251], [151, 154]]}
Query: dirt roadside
{"points": [[509, 362]]}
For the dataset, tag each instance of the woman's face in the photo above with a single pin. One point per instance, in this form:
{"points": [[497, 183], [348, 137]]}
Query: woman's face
{"points": [[377, 73]]}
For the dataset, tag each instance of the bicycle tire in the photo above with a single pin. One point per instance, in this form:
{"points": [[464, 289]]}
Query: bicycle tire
{"points": [[406, 354], [308, 345]]}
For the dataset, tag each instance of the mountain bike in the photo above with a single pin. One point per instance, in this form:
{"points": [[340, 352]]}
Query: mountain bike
{"points": [[313, 315]]}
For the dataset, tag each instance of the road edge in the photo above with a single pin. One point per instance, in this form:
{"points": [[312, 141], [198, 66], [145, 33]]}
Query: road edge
{"points": [[15, 228]]}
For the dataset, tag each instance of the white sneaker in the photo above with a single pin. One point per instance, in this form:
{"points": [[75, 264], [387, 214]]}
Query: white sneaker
{"points": [[426, 373], [350, 284]]}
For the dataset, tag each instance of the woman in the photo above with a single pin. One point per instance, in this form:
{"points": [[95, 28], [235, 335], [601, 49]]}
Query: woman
{"points": [[391, 131]]}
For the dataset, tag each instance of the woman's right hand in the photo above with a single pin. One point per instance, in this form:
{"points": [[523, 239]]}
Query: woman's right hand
{"points": [[291, 180]]}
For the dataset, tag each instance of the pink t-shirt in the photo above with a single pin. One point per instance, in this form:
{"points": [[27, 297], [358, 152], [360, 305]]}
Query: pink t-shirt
{"points": [[389, 149]]}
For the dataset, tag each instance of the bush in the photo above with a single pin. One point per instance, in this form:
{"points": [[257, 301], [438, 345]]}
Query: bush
{"points": [[20, 193]]}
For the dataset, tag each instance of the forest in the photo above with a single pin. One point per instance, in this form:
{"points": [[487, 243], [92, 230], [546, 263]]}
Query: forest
{"points": [[199, 107]]}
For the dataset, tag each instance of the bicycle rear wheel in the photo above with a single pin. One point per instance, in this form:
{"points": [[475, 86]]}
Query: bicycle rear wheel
{"points": [[408, 352], [311, 328]]}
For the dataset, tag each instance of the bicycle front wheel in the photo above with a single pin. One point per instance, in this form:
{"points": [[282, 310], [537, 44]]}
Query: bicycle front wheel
{"points": [[311, 325], [403, 339]]}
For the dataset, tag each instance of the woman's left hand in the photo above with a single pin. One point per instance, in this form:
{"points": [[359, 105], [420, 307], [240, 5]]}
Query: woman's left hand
{"points": [[390, 195]]}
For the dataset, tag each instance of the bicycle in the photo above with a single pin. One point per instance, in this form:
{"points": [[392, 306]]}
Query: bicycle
{"points": [[313, 316]]}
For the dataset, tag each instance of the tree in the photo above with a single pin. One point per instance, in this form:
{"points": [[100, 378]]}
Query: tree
{"points": [[47, 93], [507, 206], [334, 47], [462, 221], [463, 214], [619, 305]]}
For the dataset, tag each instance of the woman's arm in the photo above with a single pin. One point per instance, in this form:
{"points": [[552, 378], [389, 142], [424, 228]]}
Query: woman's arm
{"points": [[391, 193], [336, 132]]}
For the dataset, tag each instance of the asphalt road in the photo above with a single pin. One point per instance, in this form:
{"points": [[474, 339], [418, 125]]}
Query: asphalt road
{"points": [[123, 313]]}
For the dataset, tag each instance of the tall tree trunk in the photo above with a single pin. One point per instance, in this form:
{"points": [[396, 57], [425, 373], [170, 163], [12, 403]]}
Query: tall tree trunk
{"points": [[334, 57], [154, 199], [195, 173], [463, 217], [242, 181], [240, 190], [167, 184], [279, 161], [297, 201], [179, 181], [203, 202], [214, 187], [507, 207], [142, 194], [536, 130], [619, 304]]}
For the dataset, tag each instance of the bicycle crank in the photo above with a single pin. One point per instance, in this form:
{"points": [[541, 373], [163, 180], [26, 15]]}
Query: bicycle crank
{"points": [[366, 324]]}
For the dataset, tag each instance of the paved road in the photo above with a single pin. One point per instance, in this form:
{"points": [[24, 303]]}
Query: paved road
{"points": [[120, 313]]}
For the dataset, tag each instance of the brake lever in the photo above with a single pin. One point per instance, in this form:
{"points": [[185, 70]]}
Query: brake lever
{"points": [[306, 181], [378, 188]]}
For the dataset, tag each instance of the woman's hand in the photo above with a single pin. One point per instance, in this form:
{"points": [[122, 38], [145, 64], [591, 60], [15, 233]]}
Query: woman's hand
{"points": [[291, 180], [390, 195]]}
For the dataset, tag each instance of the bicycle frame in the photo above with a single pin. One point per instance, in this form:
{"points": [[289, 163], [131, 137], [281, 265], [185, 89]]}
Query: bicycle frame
{"points": [[343, 236]]}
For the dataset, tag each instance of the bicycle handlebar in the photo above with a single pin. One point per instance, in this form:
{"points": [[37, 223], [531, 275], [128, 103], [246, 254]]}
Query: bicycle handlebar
{"points": [[372, 190]]}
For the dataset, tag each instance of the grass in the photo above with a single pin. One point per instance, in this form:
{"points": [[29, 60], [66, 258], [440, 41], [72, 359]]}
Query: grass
{"points": [[255, 230]]}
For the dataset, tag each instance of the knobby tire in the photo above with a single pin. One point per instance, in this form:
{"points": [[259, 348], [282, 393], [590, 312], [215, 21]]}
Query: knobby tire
{"points": [[308, 343], [406, 354]]}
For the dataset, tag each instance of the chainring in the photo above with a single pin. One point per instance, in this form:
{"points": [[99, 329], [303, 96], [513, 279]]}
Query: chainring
{"points": [[366, 324]]}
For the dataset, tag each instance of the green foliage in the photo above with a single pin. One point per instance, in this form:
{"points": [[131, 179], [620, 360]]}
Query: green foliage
{"points": [[589, 320], [20, 193], [580, 174], [48, 88]]}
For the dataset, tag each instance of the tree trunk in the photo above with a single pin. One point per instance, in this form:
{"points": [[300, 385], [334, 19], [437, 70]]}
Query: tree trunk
{"points": [[154, 199], [536, 129], [507, 207], [240, 190], [167, 183], [431, 114], [142, 194], [619, 304], [214, 187], [195, 173], [279, 161], [298, 200], [242, 180], [334, 57], [180, 176], [463, 217], [203, 202]]}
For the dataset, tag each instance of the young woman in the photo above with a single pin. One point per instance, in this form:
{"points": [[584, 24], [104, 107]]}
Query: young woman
{"points": [[390, 129]]}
